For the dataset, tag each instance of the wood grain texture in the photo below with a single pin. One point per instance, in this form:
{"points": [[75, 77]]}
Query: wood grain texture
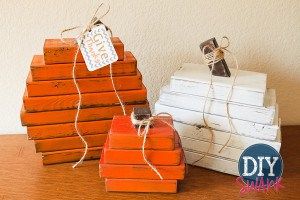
{"points": [[138, 185], [262, 115], [62, 102], [241, 127], [140, 171], [135, 157], [249, 87], [72, 155], [221, 137], [57, 51], [67, 129], [42, 72], [61, 87], [123, 135], [23, 176], [58, 144], [212, 162], [67, 116]]}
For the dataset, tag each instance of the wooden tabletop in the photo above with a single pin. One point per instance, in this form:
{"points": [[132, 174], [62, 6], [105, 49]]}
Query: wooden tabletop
{"points": [[22, 176]]}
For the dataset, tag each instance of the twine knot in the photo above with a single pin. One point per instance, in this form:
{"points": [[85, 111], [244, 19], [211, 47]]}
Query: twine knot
{"points": [[216, 54], [146, 123], [211, 58], [95, 21]]}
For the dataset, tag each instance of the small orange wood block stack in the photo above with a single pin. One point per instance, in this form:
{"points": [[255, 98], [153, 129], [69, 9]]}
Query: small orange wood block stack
{"points": [[122, 163], [50, 100]]}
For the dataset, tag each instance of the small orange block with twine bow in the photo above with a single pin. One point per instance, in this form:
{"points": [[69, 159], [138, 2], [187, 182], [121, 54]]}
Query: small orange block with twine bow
{"points": [[143, 151]]}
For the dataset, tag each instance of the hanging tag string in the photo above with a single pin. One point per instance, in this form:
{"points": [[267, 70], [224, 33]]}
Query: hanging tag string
{"points": [[212, 58], [93, 22], [146, 123], [232, 128], [77, 112]]}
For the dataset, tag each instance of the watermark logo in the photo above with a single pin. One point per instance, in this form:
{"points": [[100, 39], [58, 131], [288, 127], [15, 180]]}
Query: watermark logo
{"points": [[260, 167]]}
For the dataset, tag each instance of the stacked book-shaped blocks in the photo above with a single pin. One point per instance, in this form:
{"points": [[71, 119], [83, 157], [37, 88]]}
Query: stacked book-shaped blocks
{"points": [[50, 100], [122, 163], [252, 110]]}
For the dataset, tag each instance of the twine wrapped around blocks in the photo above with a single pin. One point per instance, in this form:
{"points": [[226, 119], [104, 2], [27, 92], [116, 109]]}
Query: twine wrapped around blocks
{"points": [[146, 123], [95, 21], [211, 58]]}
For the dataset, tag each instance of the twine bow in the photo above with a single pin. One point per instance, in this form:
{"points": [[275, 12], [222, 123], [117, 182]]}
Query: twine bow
{"points": [[93, 22], [146, 123], [216, 54], [212, 58]]}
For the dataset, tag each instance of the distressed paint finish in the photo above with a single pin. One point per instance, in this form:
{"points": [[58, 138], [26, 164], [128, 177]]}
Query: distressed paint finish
{"points": [[140, 171], [135, 156], [200, 146], [249, 87], [211, 162], [88, 85], [62, 102], [57, 51], [42, 72], [17, 157], [57, 144], [221, 137], [138, 185], [124, 164], [67, 129], [71, 155], [67, 116], [258, 114], [123, 135], [246, 128], [271, 47]]}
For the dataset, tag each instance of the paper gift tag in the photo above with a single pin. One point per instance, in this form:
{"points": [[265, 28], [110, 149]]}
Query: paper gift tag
{"points": [[97, 48]]}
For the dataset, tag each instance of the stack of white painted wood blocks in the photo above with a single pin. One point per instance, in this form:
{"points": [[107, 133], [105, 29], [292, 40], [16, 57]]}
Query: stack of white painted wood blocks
{"points": [[252, 109]]}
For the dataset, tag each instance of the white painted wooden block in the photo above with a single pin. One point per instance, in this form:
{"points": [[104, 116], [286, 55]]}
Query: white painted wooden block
{"points": [[262, 115], [221, 137], [246, 128], [250, 87], [211, 162], [200, 146]]}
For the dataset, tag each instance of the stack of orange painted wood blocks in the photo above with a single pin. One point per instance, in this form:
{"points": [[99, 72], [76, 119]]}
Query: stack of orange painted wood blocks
{"points": [[50, 100], [122, 163]]}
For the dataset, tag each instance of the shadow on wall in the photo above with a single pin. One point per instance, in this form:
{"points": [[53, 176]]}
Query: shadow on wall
{"points": [[283, 79]]}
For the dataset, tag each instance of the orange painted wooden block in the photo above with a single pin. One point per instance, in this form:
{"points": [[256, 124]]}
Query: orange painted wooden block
{"points": [[57, 51], [67, 116], [67, 129], [71, 155], [170, 172], [42, 72], [58, 144], [60, 87], [135, 157], [123, 135], [138, 185], [61, 102]]}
